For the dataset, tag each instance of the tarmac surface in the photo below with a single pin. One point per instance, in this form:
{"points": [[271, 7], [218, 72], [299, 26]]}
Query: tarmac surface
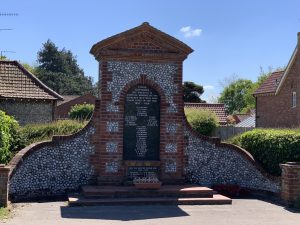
{"points": [[241, 212]]}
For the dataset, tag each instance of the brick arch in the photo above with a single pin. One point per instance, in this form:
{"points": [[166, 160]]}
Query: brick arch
{"points": [[163, 111], [144, 81]]}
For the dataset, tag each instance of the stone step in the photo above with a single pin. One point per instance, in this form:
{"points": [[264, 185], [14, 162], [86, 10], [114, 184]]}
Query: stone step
{"points": [[179, 191], [215, 200]]}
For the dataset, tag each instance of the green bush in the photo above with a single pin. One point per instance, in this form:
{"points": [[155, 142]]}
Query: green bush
{"points": [[81, 111], [10, 138], [39, 132], [13, 137], [270, 147], [203, 121]]}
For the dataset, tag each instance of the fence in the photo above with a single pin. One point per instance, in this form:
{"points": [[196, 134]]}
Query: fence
{"points": [[227, 132]]}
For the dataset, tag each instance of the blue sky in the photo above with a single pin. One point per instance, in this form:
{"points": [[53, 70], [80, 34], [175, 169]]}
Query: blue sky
{"points": [[228, 37]]}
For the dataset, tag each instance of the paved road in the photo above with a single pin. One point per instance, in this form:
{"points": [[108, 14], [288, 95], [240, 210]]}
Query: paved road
{"points": [[241, 212]]}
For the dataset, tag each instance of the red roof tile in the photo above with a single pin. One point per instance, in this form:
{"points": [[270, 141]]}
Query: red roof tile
{"points": [[218, 109], [271, 83], [17, 82]]}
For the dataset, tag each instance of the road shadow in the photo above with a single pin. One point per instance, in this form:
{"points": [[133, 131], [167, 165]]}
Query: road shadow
{"points": [[123, 213]]}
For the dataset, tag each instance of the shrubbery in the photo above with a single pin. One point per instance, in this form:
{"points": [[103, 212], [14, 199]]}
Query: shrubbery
{"points": [[39, 132], [81, 111], [203, 121], [270, 147], [13, 138], [10, 139]]}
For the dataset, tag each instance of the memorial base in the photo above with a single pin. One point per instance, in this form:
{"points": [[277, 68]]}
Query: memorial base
{"points": [[148, 186]]}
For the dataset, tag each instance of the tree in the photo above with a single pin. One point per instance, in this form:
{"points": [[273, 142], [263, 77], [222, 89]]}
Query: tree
{"points": [[192, 92], [236, 95], [29, 67], [59, 70]]}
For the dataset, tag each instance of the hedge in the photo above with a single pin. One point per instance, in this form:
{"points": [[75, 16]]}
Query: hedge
{"points": [[10, 138], [81, 111], [13, 138], [203, 121], [270, 147], [39, 132]]}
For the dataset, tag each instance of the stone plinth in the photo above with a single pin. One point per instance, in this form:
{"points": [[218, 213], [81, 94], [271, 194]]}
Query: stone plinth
{"points": [[4, 171], [290, 182]]}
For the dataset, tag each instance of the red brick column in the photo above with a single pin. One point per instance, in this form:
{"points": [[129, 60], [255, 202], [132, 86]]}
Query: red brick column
{"points": [[290, 182], [4, 171]]}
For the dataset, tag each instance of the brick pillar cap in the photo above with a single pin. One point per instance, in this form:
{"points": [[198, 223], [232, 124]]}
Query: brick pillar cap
{"points": [[4, 167], [291, 164]]}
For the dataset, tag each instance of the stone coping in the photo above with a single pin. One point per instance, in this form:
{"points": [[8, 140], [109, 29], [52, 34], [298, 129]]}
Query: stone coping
{"points": [[291, 164]]}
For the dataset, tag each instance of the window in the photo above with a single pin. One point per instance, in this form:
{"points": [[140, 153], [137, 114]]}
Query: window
{"points": [[294, 100]]}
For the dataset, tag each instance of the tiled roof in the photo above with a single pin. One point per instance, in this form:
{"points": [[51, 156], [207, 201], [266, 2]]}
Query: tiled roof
{"points": [[17, 82], [249, 122], [270, 85], [240, 117], [218, 109], [67, 98]]}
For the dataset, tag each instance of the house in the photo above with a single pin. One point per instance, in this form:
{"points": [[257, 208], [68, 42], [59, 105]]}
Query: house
{"points": [[63, 107], [247, 122], [217, 108], [277, 103], [24, 96]]}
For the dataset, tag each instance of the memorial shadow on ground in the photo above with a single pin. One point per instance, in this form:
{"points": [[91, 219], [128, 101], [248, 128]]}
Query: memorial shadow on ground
{"points": [[123, 213]]}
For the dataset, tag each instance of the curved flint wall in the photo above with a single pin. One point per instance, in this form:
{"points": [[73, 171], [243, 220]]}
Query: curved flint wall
{"points": [[209, 162], [52, 168]]}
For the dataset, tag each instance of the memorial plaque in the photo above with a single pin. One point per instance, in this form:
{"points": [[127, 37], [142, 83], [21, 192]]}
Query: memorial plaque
{"points": [[142, 171], [141, 124]]}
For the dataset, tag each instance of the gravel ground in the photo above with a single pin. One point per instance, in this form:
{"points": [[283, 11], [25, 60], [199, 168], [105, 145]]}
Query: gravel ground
{"points": [[241, 212]]}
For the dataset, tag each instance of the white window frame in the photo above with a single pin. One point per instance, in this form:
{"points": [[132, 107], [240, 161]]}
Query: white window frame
{"points": [[294, 99]]}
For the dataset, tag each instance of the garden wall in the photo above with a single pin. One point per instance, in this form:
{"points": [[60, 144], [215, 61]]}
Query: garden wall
{"points": [[210, 162], [52, 168]]}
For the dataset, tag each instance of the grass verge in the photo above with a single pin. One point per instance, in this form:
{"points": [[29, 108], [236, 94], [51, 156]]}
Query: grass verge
{"points": [[4, 213]]}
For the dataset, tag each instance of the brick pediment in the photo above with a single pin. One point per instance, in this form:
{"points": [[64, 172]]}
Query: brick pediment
{"points": [[143, 41]]}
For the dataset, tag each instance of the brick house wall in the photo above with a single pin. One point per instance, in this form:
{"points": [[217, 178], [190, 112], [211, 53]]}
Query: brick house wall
{"points": [[274, 109], [62, 110]]}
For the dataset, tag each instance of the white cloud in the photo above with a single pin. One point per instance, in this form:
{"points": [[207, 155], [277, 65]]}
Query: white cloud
{"points": [[188, 32], [208, 87], [209, 94]]}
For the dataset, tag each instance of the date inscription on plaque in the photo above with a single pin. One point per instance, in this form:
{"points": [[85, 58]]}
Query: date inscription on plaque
{"points": [[141, 124]]}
